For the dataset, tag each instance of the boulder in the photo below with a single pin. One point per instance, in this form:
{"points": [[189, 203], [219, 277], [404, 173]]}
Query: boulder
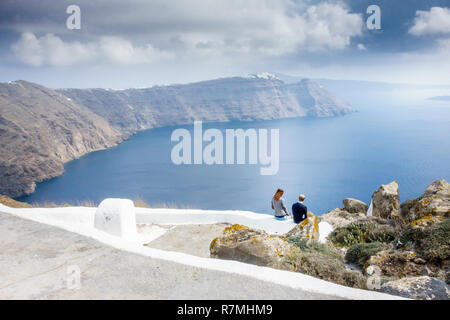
{"points": [[354, 205], [243, 244], [439, 188], [257, 247], [423, 288], [431, 207], [116, 217], [386, 202], [340, 217], [427, 221]]}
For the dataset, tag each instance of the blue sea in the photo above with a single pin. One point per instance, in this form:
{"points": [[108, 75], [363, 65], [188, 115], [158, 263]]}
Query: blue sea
{"points": [[395, 135]]}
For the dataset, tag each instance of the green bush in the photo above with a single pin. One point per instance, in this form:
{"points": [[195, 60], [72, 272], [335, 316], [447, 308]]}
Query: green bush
{"points": [[431, 242], [315, 246], [436, 246], [362, 232], [299, 242], [361, 252], [322, 261], [412, 237], [323, 266]]}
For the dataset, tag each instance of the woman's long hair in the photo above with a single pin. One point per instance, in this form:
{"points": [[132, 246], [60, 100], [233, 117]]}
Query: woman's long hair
{"points": [[278, 194]]}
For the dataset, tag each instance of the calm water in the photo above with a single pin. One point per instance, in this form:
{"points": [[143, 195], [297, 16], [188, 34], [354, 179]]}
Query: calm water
{"points": [[397, 136]]}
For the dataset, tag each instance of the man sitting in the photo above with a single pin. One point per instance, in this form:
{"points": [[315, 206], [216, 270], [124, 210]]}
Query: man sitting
{"points": [[299, 210]]}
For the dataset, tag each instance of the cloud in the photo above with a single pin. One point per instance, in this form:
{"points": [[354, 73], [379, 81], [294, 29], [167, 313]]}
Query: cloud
{"points": [[361, 47], [435, 21], [329, 25], [52, 50], [121, 51], [272, 28], [238, 28], [444, 46]]}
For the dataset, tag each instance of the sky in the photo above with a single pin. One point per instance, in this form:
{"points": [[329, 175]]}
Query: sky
{"points": [[140, 43]]}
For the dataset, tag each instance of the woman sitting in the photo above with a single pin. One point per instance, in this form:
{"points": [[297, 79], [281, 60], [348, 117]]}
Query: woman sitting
{"points": [[279, 205]]}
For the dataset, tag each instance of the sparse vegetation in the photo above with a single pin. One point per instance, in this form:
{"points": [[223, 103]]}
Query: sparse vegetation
{"points": [[50, 204], [141, 203], [323, 265], [86, 203], [361, 252], [7, 201], [321, 260], [138, 203], [362, 232], [436, 246], [315, 246], [431, 242]]}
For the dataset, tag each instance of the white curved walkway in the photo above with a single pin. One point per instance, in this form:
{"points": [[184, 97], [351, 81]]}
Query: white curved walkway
{"points": [[220, 272]]}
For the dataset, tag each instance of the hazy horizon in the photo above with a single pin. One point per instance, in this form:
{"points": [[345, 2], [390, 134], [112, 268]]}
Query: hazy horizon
{"points": [[429, 85]]}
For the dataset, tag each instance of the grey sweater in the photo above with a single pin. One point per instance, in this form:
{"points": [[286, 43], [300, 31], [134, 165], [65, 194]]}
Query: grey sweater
{"points": [[279, 206]]}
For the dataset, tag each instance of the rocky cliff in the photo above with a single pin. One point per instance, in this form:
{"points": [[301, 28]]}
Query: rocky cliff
{"points": [[42, 128], [218, 100]]}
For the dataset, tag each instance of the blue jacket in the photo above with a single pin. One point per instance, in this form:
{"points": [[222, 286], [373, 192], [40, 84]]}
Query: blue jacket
{"points": [[299, 211]]}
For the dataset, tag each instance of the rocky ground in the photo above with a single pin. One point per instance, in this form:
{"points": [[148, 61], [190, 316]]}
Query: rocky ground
{"points": [[393, 247], [190, 238]]}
